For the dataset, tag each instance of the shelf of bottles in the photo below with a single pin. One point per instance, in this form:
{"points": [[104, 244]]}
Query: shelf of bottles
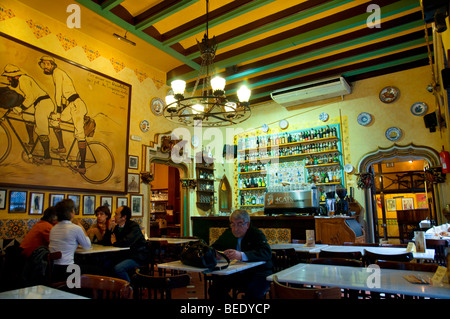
{"points": [[205, 182], [287, 161], [158, 201]]}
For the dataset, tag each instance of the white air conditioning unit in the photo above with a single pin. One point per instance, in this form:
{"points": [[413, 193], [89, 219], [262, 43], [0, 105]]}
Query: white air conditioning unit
{"points": [[313, 91]]}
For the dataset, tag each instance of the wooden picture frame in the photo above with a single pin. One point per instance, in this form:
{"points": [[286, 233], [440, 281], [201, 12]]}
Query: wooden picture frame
{"points": [[3, 193], [122, 201], [107, 201], [18, 201], [36, 203], [89, 205], [108, 103], [54, 199], [137, 206], [133, 183], [407, 203], [77, 201], [391, 205], [133, 162]]}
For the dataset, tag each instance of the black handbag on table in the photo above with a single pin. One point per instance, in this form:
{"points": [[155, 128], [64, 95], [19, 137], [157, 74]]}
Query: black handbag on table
{"points": [[199, 254]]}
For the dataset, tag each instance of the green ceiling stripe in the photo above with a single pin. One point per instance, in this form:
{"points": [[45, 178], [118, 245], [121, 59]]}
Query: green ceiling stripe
{"points": [[211, 23], [278, 24], [109, 4], [130, 28], [306, 37], [333, 64], [164, 14], [325, 50]]}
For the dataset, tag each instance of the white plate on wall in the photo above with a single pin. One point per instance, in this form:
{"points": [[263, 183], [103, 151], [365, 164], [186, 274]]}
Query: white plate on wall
{"points": [[364, 119], [284, 124], [419, 108], [393, 134]]}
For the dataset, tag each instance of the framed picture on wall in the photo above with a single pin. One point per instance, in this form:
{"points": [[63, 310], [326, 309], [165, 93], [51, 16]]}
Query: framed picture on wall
{"points": [[136, 206], [390, 205], [133, 162], [133, 183], [17, 201], [106, 201], [55, 198], [88, 204], [36, 203], [407, 203], [2, 198], [122, 201], [76, 199]]}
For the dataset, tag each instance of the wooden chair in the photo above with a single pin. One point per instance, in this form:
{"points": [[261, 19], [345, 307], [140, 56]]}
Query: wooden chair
{"points": [[283, 258], [335, 254], [371, 258], [51, 257], [406, 265], [440, 250], [395, 245], [102, 287], [348, 243], [280, 291], [337, 261], [157, 287]]}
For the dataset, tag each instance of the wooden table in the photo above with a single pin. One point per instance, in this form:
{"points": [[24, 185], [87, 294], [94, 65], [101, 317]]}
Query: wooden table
{"points": [[361, 278], [429, 254], [95, 249], [299, 247], [38, 292], [173, 240]]}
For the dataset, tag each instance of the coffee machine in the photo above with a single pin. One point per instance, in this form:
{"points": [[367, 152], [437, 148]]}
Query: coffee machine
{"points": [[342, 203]]}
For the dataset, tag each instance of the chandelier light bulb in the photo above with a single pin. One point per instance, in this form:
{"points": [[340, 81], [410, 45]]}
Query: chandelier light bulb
{"points": [[197, 108], [243, 94], [178, 87], [218, 84]]}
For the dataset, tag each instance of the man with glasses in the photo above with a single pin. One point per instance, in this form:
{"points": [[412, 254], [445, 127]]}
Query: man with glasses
{"points": [[243, 242]]}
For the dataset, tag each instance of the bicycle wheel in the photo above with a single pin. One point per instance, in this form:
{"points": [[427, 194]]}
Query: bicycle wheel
{"points": [[99, 163], [5, 141]]}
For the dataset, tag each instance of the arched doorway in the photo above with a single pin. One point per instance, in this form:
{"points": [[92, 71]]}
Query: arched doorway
{"points": [[372, 164]]}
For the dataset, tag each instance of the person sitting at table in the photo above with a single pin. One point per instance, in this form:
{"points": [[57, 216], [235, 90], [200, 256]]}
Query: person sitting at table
{"points": [[124, 232], [39, 235], [243, 242], [65, 237], [98, 229]]}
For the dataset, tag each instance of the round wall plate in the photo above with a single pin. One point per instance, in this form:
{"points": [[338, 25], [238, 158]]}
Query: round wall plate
{"points": [[144, 125], [265, 128], [195, 141], [323, 117], [393, 134], [389, 94], [157, 106], [419, 108], [348, 168], [284, 124], [364, 118]]}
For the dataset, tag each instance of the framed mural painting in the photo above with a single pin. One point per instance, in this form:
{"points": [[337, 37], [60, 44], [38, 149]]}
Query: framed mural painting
{"points": [[136, 206], [17, 201], [88, 134], [88, 204], [2, 198], [76, 199], [55, 198], [36, 204]]}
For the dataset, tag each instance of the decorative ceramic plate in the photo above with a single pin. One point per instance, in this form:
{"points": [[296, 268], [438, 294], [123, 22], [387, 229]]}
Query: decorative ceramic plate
{"points": [[157, 106], [265, 128], [419, 108], [348, 168], [284, 124], [393, 134], [364, 119], [323, 117], [145, 126], [389, 94]]}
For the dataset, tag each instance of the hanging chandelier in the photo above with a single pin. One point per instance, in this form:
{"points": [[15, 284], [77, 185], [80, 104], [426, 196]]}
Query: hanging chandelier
{"points": [[210, 108]]}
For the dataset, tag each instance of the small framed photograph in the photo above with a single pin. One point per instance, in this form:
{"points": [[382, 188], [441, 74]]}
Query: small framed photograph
{"points": [[136, 206], [76, 199], [55, 198], [391, 205], [2, 198], [18, 201], [133, 183], [36, 204], [88, 204], [106, 201], [407, 203], [133, 162], [122, 201]]}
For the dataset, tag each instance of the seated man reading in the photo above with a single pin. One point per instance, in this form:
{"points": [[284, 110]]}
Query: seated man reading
{"points": [[243, 242]]}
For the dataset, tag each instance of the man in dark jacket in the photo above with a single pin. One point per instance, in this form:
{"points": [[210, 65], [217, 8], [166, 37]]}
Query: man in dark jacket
{"points": [[125, 232], [243, 242]]}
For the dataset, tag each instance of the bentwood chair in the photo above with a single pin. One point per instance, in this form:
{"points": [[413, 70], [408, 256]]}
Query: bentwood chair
{"points": [[371, 258], [337, 261], [440, 250], [337, 254], [283, 258], [147, 286], [102, 287], [406, 265], [281, 291]]}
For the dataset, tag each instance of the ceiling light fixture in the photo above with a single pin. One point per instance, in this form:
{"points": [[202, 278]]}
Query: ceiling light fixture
{"points": [[124, 38], [210, 108]]}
